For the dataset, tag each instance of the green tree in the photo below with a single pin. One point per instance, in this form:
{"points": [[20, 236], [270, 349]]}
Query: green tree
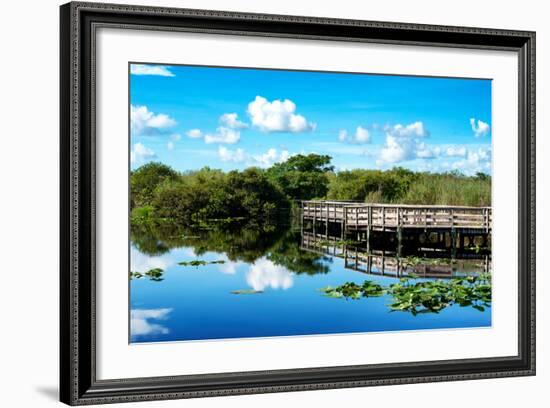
{"points": [[144, 181], [302, 176]]}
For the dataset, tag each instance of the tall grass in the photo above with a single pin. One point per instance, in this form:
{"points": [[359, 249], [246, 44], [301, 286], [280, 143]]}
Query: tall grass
{"points": [[449, 189], [401, 186]]}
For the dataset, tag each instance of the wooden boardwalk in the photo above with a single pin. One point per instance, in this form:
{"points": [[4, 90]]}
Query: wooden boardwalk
{"points": [[354, 216]]}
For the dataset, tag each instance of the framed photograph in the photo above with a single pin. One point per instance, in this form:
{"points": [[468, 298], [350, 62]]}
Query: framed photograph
{"points": [[261, 203]]}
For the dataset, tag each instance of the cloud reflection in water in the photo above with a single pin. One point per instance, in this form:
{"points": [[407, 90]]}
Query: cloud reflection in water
{"points": [[142, 321], [265, 274]]}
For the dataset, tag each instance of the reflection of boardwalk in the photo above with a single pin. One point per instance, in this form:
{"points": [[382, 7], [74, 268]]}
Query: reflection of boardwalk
{"points": [[387, 264]]}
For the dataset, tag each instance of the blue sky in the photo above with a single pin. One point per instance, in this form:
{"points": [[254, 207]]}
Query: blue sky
{"points": [[231, 118]]}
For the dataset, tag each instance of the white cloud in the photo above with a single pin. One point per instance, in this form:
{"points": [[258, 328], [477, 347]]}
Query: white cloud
{"points": [[405, 142], [140, 153], [415, 129], [194, 133], [232, 121], [223, 135], [360, 136], [456, 151], [145, 122], [170, 145], [265, 274], [140, 321], [277, 116], [480, 129], [227, 155], [176, 137], [343, 135], [423, 151], [476, 161], [229, 267], [270, 157], [267, 159], [159, 70], [142, 263]]}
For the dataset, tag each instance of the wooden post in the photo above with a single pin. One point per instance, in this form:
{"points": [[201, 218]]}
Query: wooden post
{"points": [[326, 220], [369, 226], [399, 233], [453, 243], [343, 223], [301, 218], [314, 219]]}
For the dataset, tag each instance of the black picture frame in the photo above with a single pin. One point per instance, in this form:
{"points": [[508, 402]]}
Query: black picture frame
{"points": [[78, 382]]}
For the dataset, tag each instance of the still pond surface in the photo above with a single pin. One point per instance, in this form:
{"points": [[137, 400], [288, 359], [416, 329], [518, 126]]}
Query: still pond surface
{"points": [[250, 283]]}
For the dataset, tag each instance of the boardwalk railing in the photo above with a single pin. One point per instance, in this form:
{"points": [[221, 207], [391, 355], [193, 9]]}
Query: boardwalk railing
{"points": [[355, 216]]}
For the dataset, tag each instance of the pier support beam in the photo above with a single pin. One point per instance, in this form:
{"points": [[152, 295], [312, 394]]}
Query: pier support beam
{"points": [[399, 241], [453, 243]]}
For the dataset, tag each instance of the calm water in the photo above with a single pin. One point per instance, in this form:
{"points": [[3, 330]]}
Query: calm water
{"points": [[197, 303]]}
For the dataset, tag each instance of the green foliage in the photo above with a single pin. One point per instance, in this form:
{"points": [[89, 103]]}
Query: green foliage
{"points": [[370, 185], [154, 274], [302, 177], [199, 262], [449, 189], [206, 197], [286, 252], [144, 181], [403, 186], [416, 297]]}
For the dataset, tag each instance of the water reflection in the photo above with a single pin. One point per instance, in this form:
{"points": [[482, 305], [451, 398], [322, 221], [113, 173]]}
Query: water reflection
{"points": [[205, 275], [144, 322], [265, 274]]}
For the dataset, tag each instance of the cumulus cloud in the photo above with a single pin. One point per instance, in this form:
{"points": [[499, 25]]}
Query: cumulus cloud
{"points": [[194, 133], [142, 321], [158, 70], [267, 159], [265, 274], [231, 120], [271, 157], [360, 136], [277, 116], [480, 128], [227, 155], [477, 160], [423, 151], [140, 154], [456, 151], [223, 135], [405, 142], [145, 122]]}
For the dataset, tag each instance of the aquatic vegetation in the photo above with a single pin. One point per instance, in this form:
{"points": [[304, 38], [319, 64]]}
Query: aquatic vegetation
{"points": [[415, 297], [154, 274], [352, 290], [199, 262], [246, 292]]}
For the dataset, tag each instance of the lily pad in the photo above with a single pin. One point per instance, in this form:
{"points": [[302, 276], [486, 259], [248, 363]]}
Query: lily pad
{"points": [[246, 292]]}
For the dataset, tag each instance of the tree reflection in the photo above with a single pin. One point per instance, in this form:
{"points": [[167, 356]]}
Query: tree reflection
{"points": [[248, 243]]}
